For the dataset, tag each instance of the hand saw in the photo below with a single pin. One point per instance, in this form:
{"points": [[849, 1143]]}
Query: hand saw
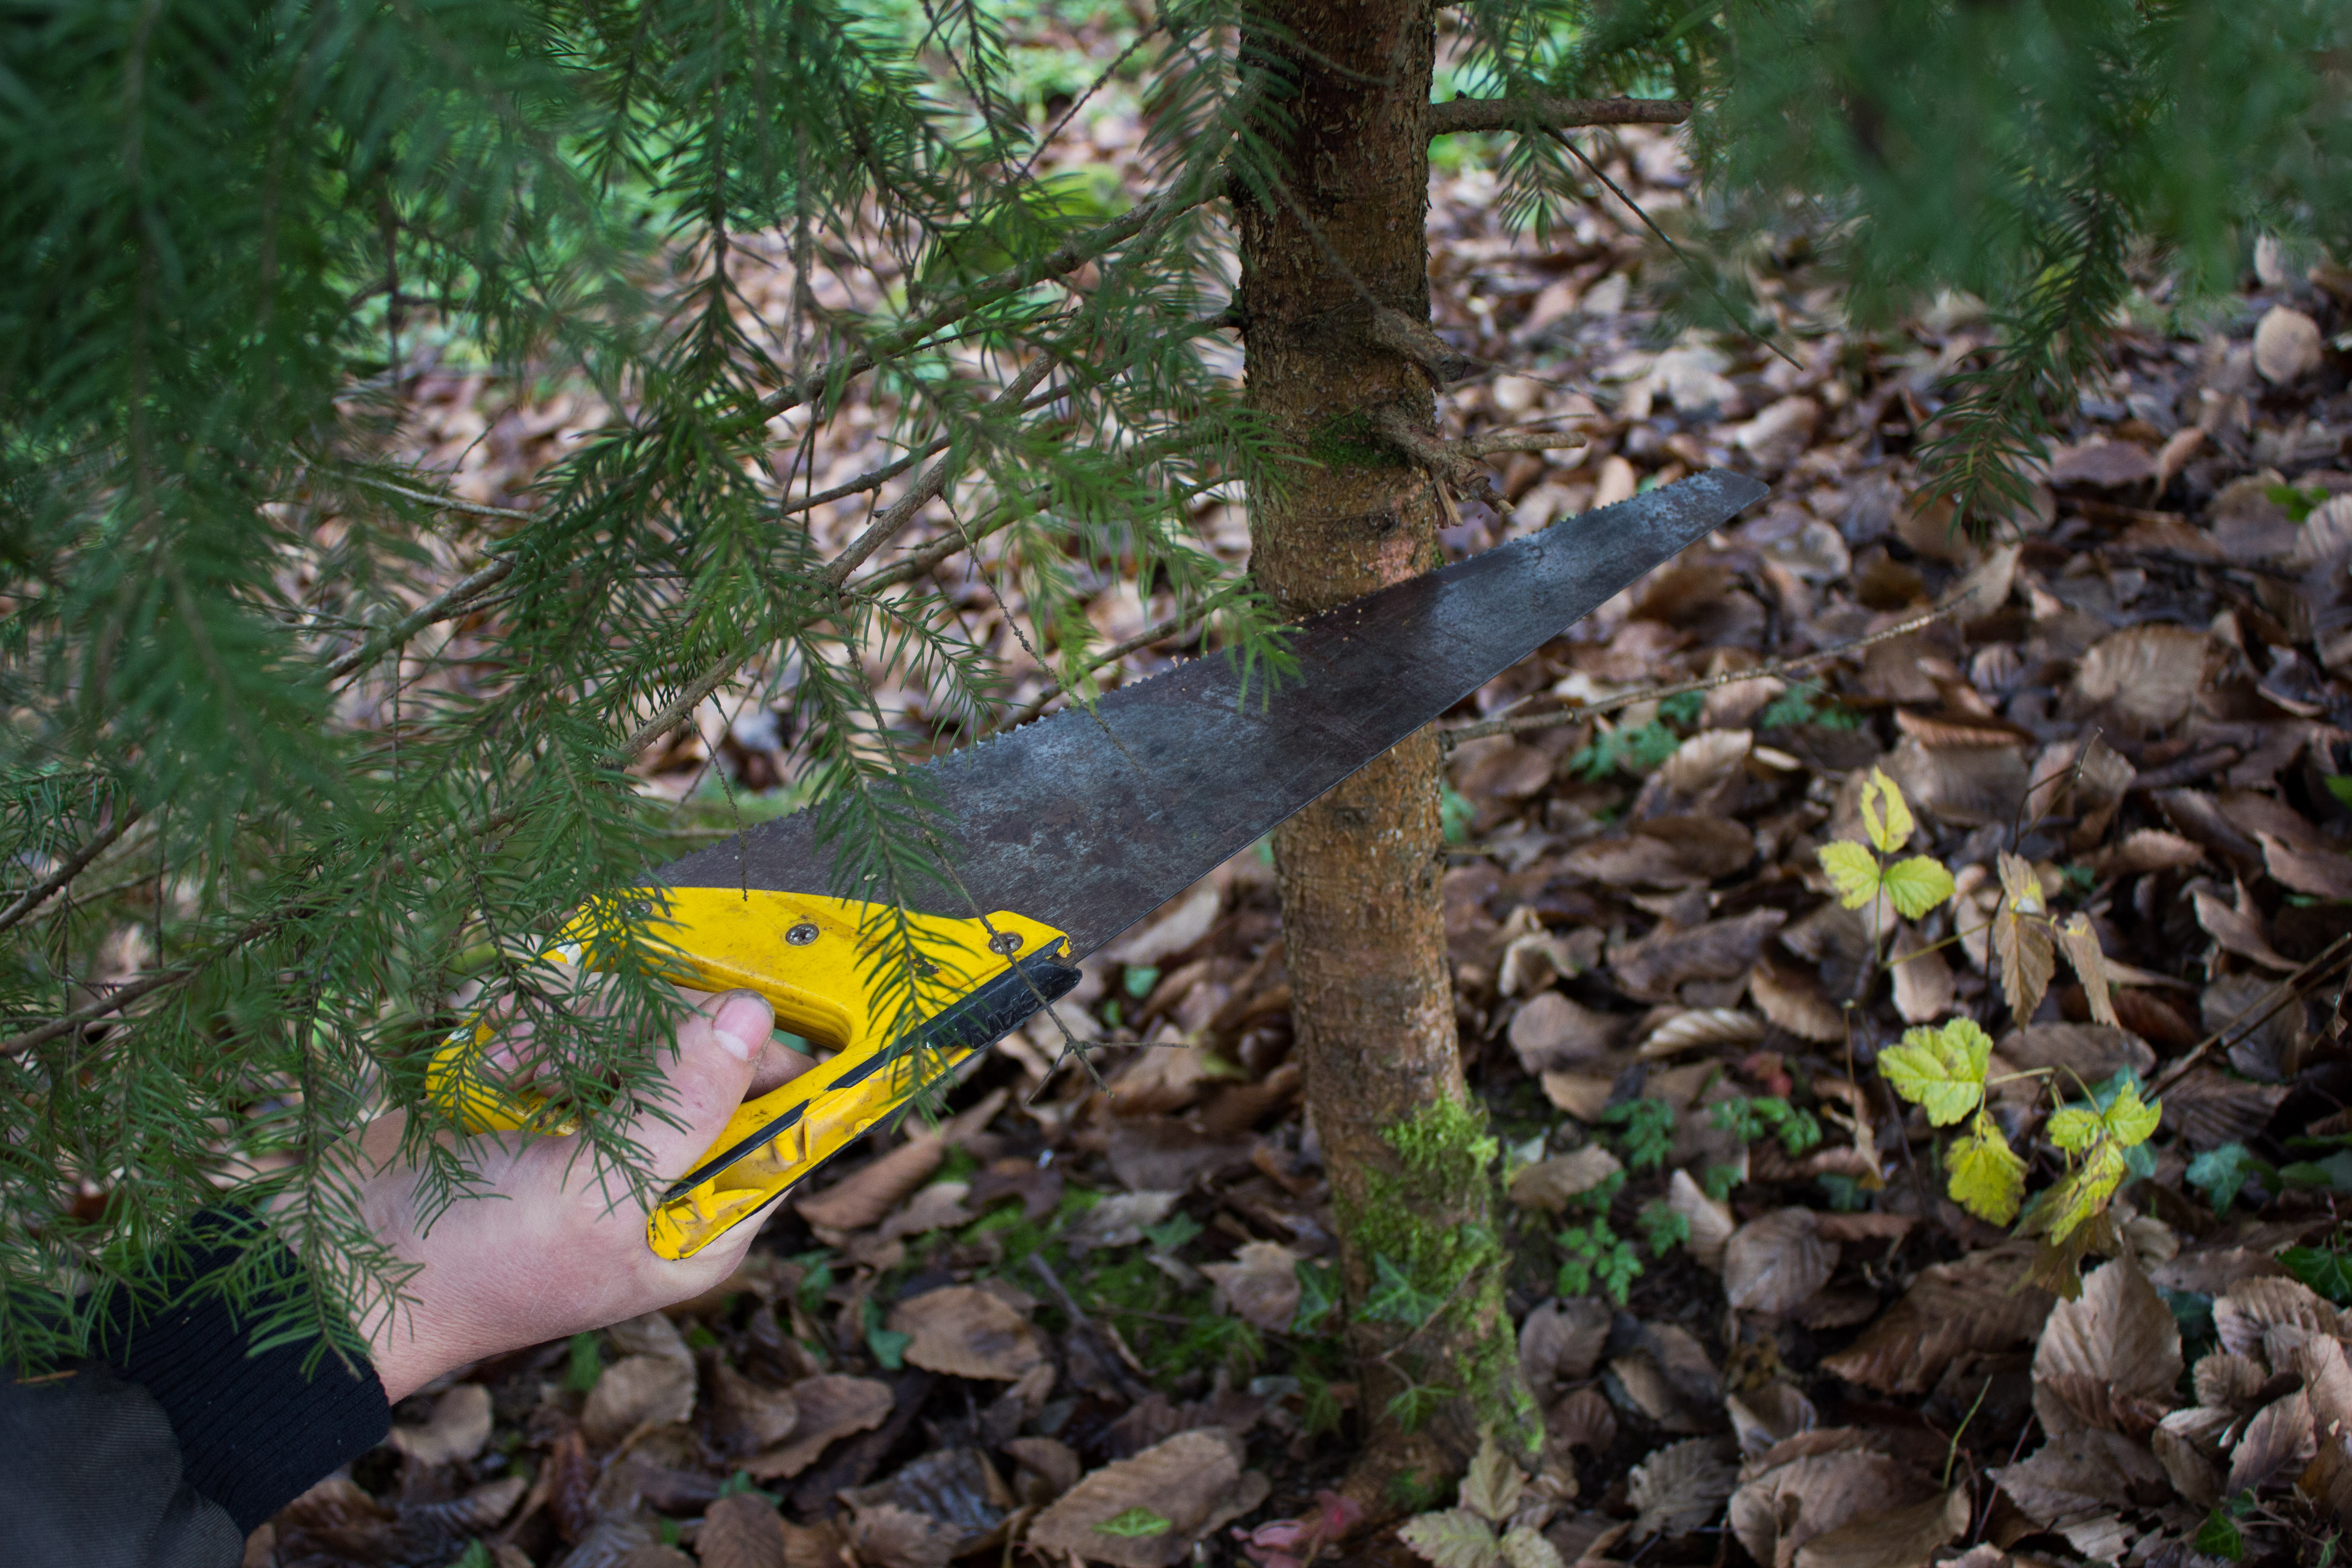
{"points": [[1067, 831]]}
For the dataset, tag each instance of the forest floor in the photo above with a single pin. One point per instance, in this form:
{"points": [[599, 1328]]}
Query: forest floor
{"points": [[1095, 1321]]}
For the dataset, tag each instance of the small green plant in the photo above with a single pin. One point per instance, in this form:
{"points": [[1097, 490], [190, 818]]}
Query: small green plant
{"points": [[1682, 708], [1664, 1227], [2222, 1172], [1860, 872], [1802, 705], [1647, 1134], [1596, 1255], [2299, 501], [1799, 1130], [2323, 1268], [1318, 1292], [1454, 814], [1639, 750]]}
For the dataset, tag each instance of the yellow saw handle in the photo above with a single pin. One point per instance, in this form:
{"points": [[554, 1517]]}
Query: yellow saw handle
{"points": [[816, 960]]}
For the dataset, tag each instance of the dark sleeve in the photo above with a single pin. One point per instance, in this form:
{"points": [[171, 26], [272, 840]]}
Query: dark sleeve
{"points": [[244, 1433]]}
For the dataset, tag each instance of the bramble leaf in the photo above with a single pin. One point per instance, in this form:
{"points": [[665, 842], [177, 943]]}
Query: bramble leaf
{"points": [[2074, 1129], [2084, 1193], [2222, 1173], [1918, 885], [1492, 1487], [2129, 1119], [1941, 1070], [1853, 870], [1894, 830], [1452, 1537], [1988, 1178]]}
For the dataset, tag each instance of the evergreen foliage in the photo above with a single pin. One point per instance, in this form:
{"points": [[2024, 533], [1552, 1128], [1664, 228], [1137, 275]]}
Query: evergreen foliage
{"points": [[234, 229]]}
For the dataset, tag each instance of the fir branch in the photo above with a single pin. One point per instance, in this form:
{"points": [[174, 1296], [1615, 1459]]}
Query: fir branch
{"points": [[73, 866]]}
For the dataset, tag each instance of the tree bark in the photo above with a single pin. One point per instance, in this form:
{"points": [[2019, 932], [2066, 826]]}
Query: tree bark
{"points": [[1343, 235]]}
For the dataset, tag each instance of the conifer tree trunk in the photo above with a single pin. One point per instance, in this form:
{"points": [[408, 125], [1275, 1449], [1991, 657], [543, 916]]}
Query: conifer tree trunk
{"points": [[1364, 934]]}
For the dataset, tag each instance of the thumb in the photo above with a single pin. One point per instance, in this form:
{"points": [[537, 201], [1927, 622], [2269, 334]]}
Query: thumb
{"points": [[717, 1045]]}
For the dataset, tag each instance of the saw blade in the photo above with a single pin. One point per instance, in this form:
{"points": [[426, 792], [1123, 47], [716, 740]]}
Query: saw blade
{"points": [[1089, 821]]}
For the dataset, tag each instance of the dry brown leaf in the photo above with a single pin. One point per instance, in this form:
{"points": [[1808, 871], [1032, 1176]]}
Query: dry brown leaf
{"points": [[887, 1535], [2090, 1052], [1194, 1480], [1581, 1420], [957, 1487], [2109, 1358], [1794, 1000], [746, 1417], [1781, 1506], [1973, 1305], [964, 1331], [2147, 675], [1773, 1263], [1670, 851], [2080, 944], [1561, 1341], [2322, 874], [740, 1531], [1584, 1095], [2210, 1109], [2242, 1313], [2020, 936], [1710, 1221], [1679, 1488], [1763, 1417], [2147, 849], [2287, 346], [1696, 1026], [634, 1393], [1705, 761], [458, 1426], [2083, 1473], [1054, 1464], [1552, 1031], [1923, 980], [1533, 959], [935, 1207], [831, 1408], [1718, 950], [2238, 928], [2101, 463], [1260, 1286], [1174, 927], [2278, 1441], [818, 1545], [1899, 1538], [1971, 786], [1121, 1219], [867, 1195], [1552, 1183]]}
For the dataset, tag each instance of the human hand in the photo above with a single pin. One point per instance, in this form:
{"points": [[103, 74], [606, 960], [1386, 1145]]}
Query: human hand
{"points": [[545, 1251]]}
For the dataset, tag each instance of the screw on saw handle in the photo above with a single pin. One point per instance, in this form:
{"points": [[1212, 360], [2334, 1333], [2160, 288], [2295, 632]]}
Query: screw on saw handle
{"points": [[817, 962]]}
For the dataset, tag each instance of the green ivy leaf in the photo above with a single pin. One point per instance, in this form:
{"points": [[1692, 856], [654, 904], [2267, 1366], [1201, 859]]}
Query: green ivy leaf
{"points": [[2324, 1270], [1394, 1299], [2221, 1173]]}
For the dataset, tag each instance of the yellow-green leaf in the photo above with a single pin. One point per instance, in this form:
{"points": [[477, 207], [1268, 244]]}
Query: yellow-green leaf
{"points": [[2128, 1119], [1942, 1070], [1918, 885], [1892, 831], [2074, 1129], [2084, 1193], [1853, 872], [1988, 1178]]}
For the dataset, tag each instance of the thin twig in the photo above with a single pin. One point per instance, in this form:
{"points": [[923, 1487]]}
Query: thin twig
{"points": [[72, 867], [446, 503], [1552, 113], [1117, 651], [2285, 991], [450, 601], [1449, 739]]}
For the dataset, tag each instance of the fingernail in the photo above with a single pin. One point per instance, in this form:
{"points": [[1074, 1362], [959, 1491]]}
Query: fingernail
{"points": [[743, 1024]]}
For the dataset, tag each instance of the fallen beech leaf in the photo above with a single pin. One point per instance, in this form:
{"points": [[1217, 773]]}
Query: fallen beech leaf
{"points": [[1121, 1219], [935, 1207], [1899, 1538], [1702, 1027], [1970, 1306], [458, 1426], [2244, 1312], [1055, 1464], [1552, 1184], [1718, 950], [1552, 1031], [965, 1332], [2325, 875], [1794, 1000], [1581, 1420], [1923, 980], [1179, 924], [2148, 849], [1772, 1263], [746, 1417], [634, 1393], [2109, 1358], [1705, 761], [1582, 1095], [1710, 1221], [2148, 675], [867, 1195], [1971, 786], [2287, 345], [1561, 1341], [831, 1408], [2238, 928], [957, 1487], [887, 1535], [1259, 1286], [2210, 1109], [2278, 1439], [740, 1531], [1194, 1480], [2020, 936], [1679, 1488], [2101, 464], [2091, 1052], [818, 1545], [2082, 1472], [1781, 1506], [1765, 1417]]}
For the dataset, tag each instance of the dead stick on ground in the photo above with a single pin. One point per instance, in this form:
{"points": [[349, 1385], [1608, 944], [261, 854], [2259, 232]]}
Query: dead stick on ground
{"points": [[1449, 739], [2287, 990]]}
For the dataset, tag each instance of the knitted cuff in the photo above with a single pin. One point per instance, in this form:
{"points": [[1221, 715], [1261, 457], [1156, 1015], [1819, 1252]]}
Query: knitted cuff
{"points": [[254, 1432]]}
